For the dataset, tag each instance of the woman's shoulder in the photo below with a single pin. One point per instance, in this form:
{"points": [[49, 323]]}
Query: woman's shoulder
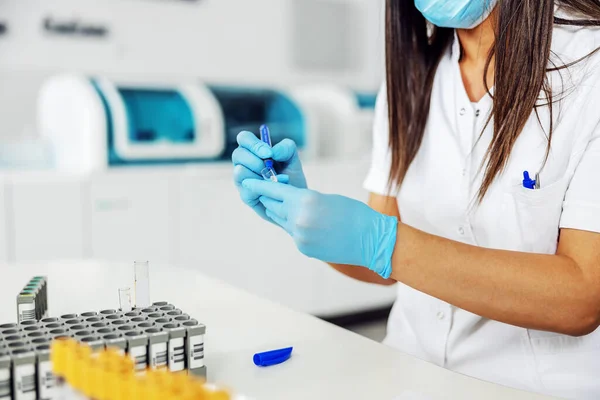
{"points": [[576, 54], [572, 42]]}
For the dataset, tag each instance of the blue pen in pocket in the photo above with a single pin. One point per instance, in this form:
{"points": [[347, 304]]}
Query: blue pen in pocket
{"points": [[529, 183], [268, 172]]}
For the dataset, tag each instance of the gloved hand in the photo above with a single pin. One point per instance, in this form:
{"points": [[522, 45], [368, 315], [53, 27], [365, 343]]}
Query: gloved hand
{"points": [[248, 160], [330, 228]]}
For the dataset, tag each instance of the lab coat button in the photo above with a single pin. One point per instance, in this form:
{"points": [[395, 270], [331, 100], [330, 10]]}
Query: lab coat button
{"points": [[463, 111], [464, 172], [477, 112], [440, 315], [461, 230]]}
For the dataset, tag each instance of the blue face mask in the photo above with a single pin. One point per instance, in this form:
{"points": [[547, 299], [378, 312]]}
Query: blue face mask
{"points": [[464, 14]]}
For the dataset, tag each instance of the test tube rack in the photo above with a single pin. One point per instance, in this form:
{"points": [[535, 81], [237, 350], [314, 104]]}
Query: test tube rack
{"points": [[108, 375], [157, 337], [32, 301]]}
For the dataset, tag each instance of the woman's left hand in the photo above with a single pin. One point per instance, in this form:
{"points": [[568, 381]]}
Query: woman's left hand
{"points": [[330, 228]]}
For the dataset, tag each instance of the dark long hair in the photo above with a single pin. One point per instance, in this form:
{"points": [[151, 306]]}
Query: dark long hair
{"points": [[523, 37]]}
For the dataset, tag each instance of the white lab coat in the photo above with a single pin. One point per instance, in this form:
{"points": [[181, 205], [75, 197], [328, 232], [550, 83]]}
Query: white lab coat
{"points": [[438, 195]]}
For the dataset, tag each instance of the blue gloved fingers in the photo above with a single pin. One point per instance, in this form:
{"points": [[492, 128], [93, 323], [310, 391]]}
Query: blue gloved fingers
{"points": [[283, 178], [249, 197], [241, 173], [275, 207], [274, 190], [250, 142], [285, 150], [241, 156], [277, 220]]}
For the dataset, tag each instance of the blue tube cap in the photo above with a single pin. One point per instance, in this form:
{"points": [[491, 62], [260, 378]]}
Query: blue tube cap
{"points": [[528, 183], [272, 357]]}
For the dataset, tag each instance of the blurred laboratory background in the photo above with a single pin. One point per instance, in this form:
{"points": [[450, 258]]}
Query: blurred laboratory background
{"points": [[118, 119]]}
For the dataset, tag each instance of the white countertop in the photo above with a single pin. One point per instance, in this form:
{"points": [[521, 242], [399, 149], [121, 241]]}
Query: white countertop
{"points": [[327, 363]]}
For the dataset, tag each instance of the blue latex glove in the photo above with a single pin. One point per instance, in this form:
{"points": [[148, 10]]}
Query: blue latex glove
{"points": [[330, 228], [248, 160]]}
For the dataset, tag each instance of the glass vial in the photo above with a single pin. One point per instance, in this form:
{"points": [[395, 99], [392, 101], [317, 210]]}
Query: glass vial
{"points": [[269, 174], [142, 284], [125, 299]]}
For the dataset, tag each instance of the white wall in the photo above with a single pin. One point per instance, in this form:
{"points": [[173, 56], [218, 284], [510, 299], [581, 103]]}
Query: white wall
{"points": [[131, 216], [47, 217], [226, 41], [18, 92], [4, 225]]}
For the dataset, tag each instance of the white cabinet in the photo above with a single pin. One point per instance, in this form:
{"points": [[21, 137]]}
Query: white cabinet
{"points": [[190, 216], [338, 294], [47, 216], [129, 215], [4, 256], [220, 236], [223, 238]]}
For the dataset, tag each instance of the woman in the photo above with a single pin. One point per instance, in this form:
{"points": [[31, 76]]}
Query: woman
{"points": [[498, 273]]}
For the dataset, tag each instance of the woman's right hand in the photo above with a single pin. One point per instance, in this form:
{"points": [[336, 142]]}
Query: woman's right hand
{"points": [[248, 160]]}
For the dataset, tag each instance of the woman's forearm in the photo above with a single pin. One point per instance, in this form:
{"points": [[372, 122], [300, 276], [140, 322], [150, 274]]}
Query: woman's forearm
{"points": [[545, 292], [362, 274]]}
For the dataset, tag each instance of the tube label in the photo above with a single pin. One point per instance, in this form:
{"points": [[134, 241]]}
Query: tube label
{"points": [[24, 382], [26, 311], [5, 389], [158, 355], [196, 352], [139, 356], [46, 381], [176, 355]]}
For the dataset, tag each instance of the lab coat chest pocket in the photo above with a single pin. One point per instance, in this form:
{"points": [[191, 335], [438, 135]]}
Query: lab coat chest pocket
{"points": [[536, 216]]}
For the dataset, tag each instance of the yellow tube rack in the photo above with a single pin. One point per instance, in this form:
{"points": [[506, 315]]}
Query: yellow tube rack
{"points": [[110, 375]]}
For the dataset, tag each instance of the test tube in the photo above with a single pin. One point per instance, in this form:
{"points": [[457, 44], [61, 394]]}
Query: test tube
{"points": [[26, 306], [95, 343], [137, 347], [5, 374], [176, 346], [45, 378], [268, 173], [157, 348], [115, 341], [195, 346], [24, 384], [125, 299], [142, 283]]}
